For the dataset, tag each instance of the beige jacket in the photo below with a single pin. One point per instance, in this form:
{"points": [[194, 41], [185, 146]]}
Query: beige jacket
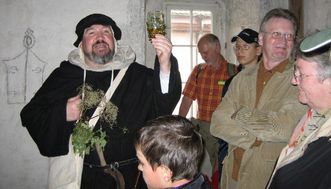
{"points": [[272, 122]]}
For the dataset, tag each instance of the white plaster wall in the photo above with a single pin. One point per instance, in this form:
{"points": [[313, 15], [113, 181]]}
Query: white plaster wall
{"points": [[317, 14], [53, 25], [242, 14], [266, 5]]}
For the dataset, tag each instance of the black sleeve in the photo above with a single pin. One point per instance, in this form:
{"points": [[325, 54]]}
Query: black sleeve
{"points": [[45, 116], [47, 126], [166, 103], [326, 181]]}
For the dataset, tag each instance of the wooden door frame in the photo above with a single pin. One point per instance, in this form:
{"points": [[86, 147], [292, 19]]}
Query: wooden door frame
{"points": [[296, 6]]}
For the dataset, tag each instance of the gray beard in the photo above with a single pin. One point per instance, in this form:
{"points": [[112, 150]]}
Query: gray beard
{"points": [[102, 60]]}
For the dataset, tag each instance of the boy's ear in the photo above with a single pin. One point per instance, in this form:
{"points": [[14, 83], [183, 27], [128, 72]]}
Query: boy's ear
{"points": [[166, 174]]}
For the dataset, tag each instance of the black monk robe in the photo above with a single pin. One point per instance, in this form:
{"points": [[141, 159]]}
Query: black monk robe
{"points": [[138, 97]]}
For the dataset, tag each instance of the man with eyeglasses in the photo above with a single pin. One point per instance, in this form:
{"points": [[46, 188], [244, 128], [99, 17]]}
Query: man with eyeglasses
{"points": [[305, 162], [260, 109]]}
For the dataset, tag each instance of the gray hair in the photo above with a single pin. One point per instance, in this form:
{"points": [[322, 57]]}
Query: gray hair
{"points": [[280, 13], [322, 58], [211, 38]]}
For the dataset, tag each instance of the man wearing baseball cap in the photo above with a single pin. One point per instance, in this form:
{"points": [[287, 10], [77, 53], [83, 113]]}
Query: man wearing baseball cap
{"points": [[97, 65]]}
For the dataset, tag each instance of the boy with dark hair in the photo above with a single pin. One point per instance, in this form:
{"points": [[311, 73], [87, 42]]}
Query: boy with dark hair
{"points": [[170, 152]]}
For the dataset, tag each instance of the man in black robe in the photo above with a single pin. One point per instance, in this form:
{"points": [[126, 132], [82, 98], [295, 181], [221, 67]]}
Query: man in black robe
{"points": [[142, 94]]}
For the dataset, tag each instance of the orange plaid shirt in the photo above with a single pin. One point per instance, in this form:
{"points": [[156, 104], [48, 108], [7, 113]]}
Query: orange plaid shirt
{"points": [[207, 88]]}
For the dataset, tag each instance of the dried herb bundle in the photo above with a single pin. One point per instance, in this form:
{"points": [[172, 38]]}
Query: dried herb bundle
{"points": [[84, 138]]}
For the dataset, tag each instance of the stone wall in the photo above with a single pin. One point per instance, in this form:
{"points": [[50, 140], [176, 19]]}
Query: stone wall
{"points": [[317, 14]]}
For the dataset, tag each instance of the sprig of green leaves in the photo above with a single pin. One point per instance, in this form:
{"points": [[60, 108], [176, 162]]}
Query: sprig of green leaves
{"points": [[84, 138]]}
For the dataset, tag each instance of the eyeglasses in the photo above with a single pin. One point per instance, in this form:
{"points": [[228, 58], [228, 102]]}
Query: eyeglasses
{"points": [[280, 35], [298, 77], [243, 47]]}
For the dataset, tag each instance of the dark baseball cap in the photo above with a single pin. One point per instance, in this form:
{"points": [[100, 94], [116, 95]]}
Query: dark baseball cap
{"points": [[248, 35], [316, 41], [96, 19]]}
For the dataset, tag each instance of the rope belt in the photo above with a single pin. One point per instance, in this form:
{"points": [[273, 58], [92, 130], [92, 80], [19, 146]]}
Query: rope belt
{"points": [[113, 165]]}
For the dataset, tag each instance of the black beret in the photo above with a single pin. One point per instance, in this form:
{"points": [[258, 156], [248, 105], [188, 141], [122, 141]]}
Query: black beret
{"points": [[96, 19]]}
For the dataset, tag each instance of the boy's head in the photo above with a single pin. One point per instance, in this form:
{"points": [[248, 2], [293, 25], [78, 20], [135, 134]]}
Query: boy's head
{"points": [[169, 150]]}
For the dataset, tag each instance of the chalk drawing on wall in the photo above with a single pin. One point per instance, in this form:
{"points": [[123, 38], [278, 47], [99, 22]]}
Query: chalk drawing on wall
{"points": [[25, 72]]}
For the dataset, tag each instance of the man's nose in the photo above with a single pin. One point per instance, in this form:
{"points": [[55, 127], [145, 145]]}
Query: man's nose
{"points": [[100, 35], [294, 80]]}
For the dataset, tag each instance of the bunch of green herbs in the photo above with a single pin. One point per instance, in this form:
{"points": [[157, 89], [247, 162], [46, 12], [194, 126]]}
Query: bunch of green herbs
{"points": [[84, 138]]}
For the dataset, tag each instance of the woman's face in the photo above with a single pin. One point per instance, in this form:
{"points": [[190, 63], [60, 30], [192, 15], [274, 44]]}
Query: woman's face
{"points": [[246, 53]]}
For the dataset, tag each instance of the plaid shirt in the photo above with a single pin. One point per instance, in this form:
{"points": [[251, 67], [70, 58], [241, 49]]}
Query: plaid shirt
{"points": [[207, 87]]}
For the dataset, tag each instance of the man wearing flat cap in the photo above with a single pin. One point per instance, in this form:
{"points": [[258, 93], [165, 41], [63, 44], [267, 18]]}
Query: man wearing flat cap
{"points": [[61, 107]]}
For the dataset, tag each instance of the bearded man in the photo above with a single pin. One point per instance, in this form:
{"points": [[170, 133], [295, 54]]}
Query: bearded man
{"points": [[142, 94]]}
